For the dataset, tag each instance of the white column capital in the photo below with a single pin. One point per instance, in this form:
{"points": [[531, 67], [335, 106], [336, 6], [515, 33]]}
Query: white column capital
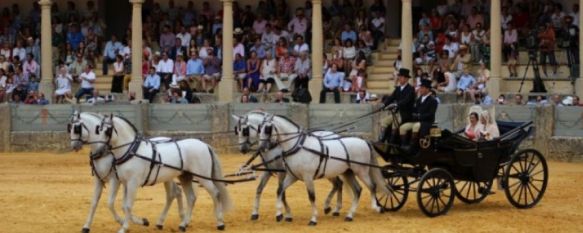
{"points": [[406, 1], [139, 2], [227, 1], [316, 1], [44, 3]]}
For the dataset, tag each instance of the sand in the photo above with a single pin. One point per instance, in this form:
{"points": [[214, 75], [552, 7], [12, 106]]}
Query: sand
{"points": [[45, 192]]}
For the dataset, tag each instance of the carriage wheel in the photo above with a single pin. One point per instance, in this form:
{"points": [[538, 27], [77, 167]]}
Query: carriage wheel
{"points": [[525, 178], [399, 187], [471, 192], [436, 192]]}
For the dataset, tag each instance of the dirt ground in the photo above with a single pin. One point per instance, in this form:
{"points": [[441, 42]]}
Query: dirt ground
{"points": [[42, 192]]}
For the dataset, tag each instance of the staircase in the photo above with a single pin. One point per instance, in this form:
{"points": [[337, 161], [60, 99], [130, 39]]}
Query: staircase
{"points": [[381, 80]]}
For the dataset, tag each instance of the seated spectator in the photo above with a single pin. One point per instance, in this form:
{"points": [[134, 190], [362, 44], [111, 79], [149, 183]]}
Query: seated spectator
{"points": [[30, 67], [332, 83], [179, 70], [279, 98], [465, 83], [194, 68], [258, 48], [177, 98], [240, 71], [253, 71], [490, 129], [110, 52], [268, 72], [251, 98], [348, 34], [362, 97], [151, 85], [518, 99], [355, 80], [511, 49], [348, 54], [21, 81], [63, 85], [3, 79], [577, 102], [303, 70], [87, 79], [461, 62], [77, 66], [365, 38], [300, 46], [475, 46], [281, 47], [285, 72], [378, 28], [556, 100], [165, 69], [473, 127], [547, 47], [9, 89], [212, 68], [118, 75], [31, 98]]}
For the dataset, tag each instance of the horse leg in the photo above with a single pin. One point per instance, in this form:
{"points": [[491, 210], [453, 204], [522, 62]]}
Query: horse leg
{"points": [[186, 182], [135, 219], [288, 214], [214, 193], [178, 196], [168, 186], [131, 188], [263, 181], [312, 196], [114, 187], [366, 179], [94, 202], [287, 181], [356, 190]]}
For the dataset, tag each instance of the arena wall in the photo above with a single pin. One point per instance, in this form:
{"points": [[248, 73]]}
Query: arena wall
{"points": [[558, 133]]}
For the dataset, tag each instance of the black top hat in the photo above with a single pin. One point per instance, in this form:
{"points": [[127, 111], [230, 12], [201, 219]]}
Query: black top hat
{"points": [[426, 83], [404, 72]]}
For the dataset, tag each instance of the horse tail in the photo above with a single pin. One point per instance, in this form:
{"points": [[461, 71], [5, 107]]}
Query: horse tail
{"points": [[217, 173], [375, 173]]}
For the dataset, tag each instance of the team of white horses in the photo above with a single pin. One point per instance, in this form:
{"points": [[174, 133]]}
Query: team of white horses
{"points": [[121, 155]]}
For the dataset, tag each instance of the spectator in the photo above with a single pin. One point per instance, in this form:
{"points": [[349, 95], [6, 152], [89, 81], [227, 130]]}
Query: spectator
{"points": [[212, 68], [42, 100], [557, 100], [118, 75], [164, 70], [465, 84], [87, 79], [285, 72], [245, 92], [332, 83], [31, 98], [75, 37], [179, 70], [240, 71], [577, 102], [476, 44], [177, 98], [303, 70], [177, 49], [21, 81], [279, 98], [348, 34], [151, 85], [204, 50], [19, 52], [547, 47], [268, 72], [63, 85], [259, 24], [461, 61], [238, 48], [362, 97], [378, 28], [518, 99], [194, 68], [3, 80], [110, 52], [77, 67], [451, 47], [258, 48], [30, 67], [253, 66], [184, 38], [299, 24], [511, 49], [300, 46], [348, 54], [281, 48], [167, 39]]}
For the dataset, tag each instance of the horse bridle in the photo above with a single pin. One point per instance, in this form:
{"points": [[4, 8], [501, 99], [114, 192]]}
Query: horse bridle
{"points": [[245, 130]]}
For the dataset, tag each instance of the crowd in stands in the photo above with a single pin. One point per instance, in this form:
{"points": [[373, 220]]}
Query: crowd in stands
{"points": [[182, 48]]}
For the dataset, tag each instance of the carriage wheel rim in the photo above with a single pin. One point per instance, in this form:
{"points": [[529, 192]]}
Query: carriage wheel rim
{"points": [[437, 198], [526, 178]]}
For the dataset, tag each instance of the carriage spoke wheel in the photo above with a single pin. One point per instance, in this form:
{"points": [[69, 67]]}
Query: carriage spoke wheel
{"points": [[525, 179], [436, 192], [399, 187], [471, 192]]}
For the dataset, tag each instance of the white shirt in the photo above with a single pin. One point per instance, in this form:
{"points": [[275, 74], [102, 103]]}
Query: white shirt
{"points": [[64, 82], [424, 97], [452, 49], [125, 52], [118, 67], [3, 82], [20, 52], [268, 39], [239, 49], [301, 48], [165, 66], [86, 77], [377, 22], [184, 38]]}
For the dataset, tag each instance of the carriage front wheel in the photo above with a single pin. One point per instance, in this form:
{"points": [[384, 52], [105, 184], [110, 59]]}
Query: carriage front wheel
{"points": [[435, 192], [525, 178], [398, 186], [471, 192]]}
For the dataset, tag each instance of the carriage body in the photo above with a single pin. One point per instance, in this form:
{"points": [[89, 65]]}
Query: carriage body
{"points": [[467, 168]]}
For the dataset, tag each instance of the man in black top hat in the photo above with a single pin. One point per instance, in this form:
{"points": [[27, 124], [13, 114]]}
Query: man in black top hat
{"points": [[423, 116], [401, 100]]}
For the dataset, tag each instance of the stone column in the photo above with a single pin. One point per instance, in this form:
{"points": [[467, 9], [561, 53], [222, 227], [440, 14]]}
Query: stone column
{"points": [[315, 85], [226, 85], [495, 50], [579, 82], [407, 35], [137, 53], [46, 83]]}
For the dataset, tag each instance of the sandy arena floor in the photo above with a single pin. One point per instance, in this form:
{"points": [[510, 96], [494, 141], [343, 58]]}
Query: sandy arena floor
{"points": [[41, 192]]}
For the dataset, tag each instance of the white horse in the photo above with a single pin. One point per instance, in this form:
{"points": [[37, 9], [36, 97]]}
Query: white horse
{"points": [[308, 157], [103, 171], [246, 130], [140, 162]]}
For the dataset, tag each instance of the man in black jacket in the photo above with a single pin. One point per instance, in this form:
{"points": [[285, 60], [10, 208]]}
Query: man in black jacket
{"points": [[401, 100], [422, 118]]}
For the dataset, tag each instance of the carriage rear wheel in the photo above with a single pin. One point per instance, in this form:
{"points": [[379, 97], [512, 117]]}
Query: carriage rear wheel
{"points": [[399, 187], [525, 178], [471, 192], [436, 192]]}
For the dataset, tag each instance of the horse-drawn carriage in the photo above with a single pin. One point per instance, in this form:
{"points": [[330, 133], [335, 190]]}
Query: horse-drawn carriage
{"points": [[448, 164]]}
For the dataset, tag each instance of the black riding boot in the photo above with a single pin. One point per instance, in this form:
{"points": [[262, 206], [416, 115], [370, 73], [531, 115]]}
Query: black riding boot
{"points": [[414, 146], [405, 142], [394, 137], [385, 134]]}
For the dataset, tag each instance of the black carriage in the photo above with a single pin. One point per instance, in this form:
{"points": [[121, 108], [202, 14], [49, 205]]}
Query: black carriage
{"points": [[448, 164]]}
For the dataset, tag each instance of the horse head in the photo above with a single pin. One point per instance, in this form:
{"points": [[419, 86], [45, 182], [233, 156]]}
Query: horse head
{"points": [[266, 135], [243, 130]]}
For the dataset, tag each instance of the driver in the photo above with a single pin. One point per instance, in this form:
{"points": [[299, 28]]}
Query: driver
{"points": [[402, 100], [423, 117]]}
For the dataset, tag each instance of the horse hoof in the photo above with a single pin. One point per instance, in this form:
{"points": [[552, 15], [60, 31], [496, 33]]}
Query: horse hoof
{"points": [[327, 210], [182, 229], [146, 222], [159, 227], [85, 230], [336, 214], [278, 218], [348, 219], [254, 217], [221, 227], [312, 223], [289, 219]]}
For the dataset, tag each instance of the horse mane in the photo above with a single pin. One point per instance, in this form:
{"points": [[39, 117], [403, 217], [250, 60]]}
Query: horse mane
{"points": [[289, 120], [128, 122]]}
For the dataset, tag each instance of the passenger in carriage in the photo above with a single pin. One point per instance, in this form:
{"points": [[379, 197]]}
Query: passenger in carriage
{"points": [[402, 99], [422, 119], [474, 127], [489, 129]]}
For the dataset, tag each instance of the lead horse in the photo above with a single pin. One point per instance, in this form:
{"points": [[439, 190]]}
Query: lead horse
{"points": [[140, 162], [102, 168], [247, 129], [308, 157]]}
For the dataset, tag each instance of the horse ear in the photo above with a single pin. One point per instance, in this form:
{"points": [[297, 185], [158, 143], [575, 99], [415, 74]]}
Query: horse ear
{"points": [[235, 117], [97, 129]]}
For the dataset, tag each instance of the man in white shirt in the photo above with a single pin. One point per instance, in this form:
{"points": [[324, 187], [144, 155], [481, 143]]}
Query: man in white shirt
{"points": [[87, 79], [151, 85], [268, 39], [451, 47], [299, 24], [378, 29], [575, 14], [300, 46], [165, 69], [184, 37], [238, 48]]}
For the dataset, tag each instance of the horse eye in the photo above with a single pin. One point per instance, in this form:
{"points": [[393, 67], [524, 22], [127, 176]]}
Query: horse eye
{"points": [[97, 130]]}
